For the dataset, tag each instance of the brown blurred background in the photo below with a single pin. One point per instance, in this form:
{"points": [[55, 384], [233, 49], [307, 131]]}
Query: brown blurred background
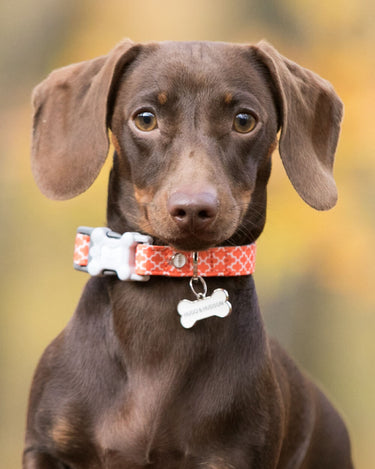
{"points": [[315, 271]]}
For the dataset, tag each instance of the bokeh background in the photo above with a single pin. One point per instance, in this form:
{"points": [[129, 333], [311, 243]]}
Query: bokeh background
{"points": [[315, 271]]}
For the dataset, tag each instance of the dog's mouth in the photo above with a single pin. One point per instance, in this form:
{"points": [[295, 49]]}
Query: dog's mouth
{"points": [[192, 242], [188, 238], [193, 238]]}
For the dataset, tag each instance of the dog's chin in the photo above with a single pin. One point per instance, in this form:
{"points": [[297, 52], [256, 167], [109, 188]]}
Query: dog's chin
{"points": [[190, 245], [192, 242]]}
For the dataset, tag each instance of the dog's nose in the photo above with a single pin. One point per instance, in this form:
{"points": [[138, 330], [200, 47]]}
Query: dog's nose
{"points": [[194, 211]]}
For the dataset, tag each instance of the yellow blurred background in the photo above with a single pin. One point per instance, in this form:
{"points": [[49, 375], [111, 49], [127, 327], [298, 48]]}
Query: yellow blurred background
{"points": [[315, 271]]}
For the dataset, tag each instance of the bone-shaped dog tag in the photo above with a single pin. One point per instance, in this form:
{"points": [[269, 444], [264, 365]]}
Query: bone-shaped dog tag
{"points": [[208, 306]]}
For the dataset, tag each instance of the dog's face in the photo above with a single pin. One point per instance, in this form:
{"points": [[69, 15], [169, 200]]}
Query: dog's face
{"points": [[194, 126]]}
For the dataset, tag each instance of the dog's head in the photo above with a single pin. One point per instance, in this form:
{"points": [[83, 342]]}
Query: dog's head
{"points": [[194, 126]]}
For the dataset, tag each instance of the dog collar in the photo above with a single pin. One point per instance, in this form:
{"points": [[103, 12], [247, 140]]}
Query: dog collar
{"points": [[132, 256]]}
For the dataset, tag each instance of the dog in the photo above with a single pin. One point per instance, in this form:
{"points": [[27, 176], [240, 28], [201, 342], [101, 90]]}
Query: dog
{"points": [[147, 374]]}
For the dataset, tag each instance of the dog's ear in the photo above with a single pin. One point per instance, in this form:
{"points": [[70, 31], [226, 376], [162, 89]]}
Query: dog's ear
{"points": [[71, 112], [310, 117]]}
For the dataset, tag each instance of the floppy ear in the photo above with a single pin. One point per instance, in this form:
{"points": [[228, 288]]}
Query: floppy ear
{"points": [[310, 115], [70, 141]]}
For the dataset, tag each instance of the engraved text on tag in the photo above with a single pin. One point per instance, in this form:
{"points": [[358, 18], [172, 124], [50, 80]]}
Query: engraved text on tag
{"points": [[215, 305]]}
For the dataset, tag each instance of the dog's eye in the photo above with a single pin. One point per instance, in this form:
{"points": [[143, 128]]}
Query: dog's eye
{"points": [[145, 121], [244, 123]]}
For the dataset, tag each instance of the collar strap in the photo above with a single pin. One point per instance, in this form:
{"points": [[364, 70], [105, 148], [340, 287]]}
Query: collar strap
{"points": [[132, 256]]}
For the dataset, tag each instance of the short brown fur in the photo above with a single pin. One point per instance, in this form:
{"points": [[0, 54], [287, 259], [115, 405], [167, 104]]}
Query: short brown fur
{"points": [[124, 385]]}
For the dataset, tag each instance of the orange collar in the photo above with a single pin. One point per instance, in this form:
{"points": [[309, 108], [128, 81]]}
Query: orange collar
{"points": [[132, 257]]}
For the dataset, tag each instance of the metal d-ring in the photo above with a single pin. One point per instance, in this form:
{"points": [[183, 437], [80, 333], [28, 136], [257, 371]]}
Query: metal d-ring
{"points": [[195, 265], [199, 295], [197, 278]]}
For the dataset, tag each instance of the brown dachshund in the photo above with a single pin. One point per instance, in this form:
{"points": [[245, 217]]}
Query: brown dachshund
{"points": [[125, 386]]}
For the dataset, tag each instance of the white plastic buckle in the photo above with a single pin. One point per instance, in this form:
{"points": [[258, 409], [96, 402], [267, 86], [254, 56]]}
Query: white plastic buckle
{"points": [[112, 253]]}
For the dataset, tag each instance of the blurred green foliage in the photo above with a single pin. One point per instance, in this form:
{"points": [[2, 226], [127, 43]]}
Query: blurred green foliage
{"points": [[315, 271]]}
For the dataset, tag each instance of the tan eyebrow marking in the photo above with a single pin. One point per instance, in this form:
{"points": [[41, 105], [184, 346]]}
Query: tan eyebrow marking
{"points": [[162, 97], [228, 98]]}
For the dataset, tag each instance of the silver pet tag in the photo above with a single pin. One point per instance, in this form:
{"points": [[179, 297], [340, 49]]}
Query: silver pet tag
{"points": [[204, 306]]}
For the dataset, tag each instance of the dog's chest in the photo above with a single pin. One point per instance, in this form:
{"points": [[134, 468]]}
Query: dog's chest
{"points": [[152, 428], [136, 429]]}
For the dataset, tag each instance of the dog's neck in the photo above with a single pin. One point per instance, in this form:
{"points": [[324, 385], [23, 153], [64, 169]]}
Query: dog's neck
{"points": [[147, 324]]}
